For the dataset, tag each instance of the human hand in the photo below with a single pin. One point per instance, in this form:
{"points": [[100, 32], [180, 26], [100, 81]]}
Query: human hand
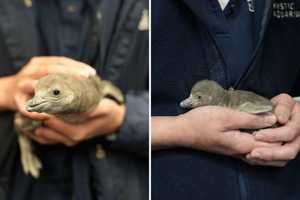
{"points": [[217, 130], [37, 67], [41, 66], [287, 111], [106, 118]]}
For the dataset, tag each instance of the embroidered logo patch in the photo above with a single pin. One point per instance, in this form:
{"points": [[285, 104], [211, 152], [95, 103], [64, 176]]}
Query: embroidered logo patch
{"points": [[251, 5], [285, 10]]}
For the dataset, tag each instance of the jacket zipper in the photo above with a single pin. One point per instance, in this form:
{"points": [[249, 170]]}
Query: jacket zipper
{"points": [[242, 183]]}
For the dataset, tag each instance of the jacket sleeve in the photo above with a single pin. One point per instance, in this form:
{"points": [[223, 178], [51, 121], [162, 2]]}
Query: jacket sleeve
{"points": [[133, 135]]}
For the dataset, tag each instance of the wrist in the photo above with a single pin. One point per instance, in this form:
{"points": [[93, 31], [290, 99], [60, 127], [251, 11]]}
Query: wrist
{"points": [[177, 136], [116, 119], [184, 134], [8, 87], [167, 132], [120, 116]]}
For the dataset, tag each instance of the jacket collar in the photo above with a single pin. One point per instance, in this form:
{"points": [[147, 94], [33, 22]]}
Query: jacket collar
{"points": [[261, 20], [262, 10], [199, 10]]}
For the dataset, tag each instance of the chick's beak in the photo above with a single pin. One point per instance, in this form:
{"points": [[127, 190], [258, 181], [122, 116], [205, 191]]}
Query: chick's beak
{"points": [[35, 104], [187, 103]]}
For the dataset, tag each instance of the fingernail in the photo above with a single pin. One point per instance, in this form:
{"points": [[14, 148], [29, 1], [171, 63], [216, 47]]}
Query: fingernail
{"points": [[87, 72], [256, 155], [281, 118], [248, 156], [84, 73], [93, 72], [271, 119]]}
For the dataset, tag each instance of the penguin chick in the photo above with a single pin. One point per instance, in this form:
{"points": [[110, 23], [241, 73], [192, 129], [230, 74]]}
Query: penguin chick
{"points": [[61, 94], [208, 92], [64, 96]]}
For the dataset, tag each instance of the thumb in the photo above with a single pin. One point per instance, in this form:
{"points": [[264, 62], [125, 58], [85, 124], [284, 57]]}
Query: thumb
{"points": [[284, 105], [27, 86]]}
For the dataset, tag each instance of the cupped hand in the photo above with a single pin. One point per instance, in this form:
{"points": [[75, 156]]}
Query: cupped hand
{"points": [[217, 129], [104, 120], [37, 67], [287, 111], [41, 66]]}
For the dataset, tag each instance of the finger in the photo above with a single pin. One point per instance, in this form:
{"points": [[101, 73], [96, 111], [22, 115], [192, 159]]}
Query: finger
{"points": [[36, 116], [259, 162], [64, 61], [74, 67], [284, 133], [239, 143], [77, 71], [80, 131], [27, 86], [44, 65], [67, 129], [21, 107], [25, 91], [287, 151], [41, 140], [284, 105], [242, 120], [103, 108], [297, 107], [37, 66], [60, 60], [21, 99], [53, 137]]}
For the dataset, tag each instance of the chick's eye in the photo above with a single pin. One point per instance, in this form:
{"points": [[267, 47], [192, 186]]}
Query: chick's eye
{"points": [[199, 97], [56, 92]]}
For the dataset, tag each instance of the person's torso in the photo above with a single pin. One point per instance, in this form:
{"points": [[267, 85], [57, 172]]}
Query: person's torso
{"points": [[115, 60], [183, 52]]}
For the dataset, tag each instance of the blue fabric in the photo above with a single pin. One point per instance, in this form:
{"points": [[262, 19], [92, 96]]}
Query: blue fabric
{"points": [[184, 51], [73, 172], [63, 26], [59, 176], [236, 41]]}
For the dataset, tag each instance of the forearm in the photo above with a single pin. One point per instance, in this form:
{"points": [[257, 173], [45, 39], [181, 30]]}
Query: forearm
{"points": [[167, 132], [7, 85]]}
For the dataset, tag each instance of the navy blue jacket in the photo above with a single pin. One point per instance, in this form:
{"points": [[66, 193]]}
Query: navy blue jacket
{"points": [[183, 52], [119, 52]]}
